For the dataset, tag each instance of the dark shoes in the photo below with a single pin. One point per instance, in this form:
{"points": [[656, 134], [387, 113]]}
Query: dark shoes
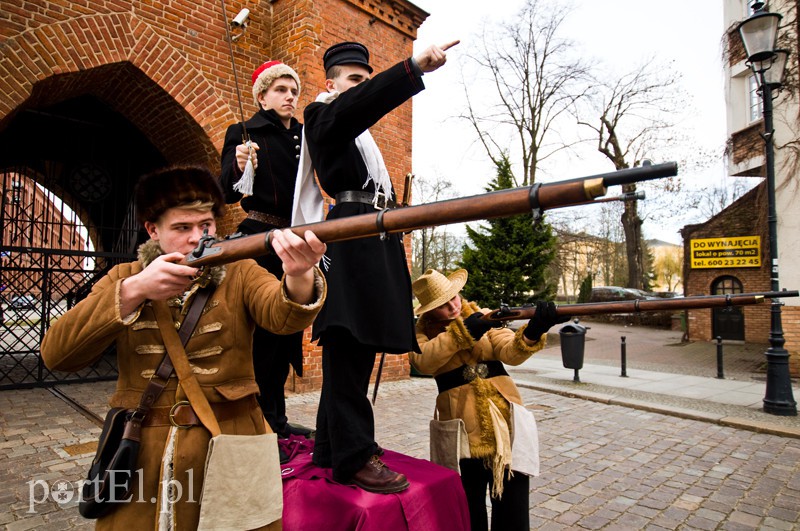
{"points": [[375, 476], [297, 429]]}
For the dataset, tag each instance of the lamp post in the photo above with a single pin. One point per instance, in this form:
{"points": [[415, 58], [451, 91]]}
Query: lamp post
{"points": [[759, 34]]}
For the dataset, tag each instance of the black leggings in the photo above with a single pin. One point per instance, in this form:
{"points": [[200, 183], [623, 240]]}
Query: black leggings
{"points": [[509, 513]]}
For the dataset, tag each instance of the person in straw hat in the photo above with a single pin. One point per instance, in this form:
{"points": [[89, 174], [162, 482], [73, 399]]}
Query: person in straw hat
{"points": [[266, 197], [466, 355]]}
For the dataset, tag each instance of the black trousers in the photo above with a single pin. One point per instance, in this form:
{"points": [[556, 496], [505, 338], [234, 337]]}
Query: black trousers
{"points": [[271, 359], [509, 513], [345, 437], [273, 353]]}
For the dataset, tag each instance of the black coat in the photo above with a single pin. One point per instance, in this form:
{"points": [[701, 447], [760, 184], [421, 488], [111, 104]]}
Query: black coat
{"points": [[273, 186], [369, 287], [278, 159]]}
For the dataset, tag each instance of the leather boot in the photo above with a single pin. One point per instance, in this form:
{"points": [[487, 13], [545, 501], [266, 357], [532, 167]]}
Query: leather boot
{"points": [[375, 476]]}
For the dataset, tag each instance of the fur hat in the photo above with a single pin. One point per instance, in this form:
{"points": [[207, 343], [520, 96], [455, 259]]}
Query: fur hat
{"points": [[346, 53], [176, 186], [264, 75], [433, 289]]}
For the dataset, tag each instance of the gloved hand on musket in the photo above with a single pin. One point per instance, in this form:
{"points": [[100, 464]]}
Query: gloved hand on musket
{"points": [[545, 317], [477, 326]]}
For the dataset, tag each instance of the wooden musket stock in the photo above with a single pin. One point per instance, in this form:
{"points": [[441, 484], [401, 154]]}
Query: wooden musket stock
{"points": [[499, 204], [637, 306]]}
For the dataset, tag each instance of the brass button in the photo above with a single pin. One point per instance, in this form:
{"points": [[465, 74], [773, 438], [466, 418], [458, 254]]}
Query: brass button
{"points": [[177, 325]]}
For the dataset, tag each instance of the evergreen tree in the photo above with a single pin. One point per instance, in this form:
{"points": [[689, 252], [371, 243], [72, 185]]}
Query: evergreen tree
{"points": [[506, 260], [585, 292]]}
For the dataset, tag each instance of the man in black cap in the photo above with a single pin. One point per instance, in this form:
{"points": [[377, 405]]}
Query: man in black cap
{"points": [[368, 309]]}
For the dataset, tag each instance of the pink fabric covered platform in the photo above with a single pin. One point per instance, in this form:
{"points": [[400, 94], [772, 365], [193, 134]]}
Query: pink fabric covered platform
{"points": [[435, 499]]}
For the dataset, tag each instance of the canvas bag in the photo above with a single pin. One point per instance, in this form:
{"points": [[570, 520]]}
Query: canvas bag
{"points": [[242, 485], [449, 442], [524, 441]]}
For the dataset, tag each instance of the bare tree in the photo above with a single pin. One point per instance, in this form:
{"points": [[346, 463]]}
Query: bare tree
{"points": [[535, 81], [630, 119], [434, 247], [709, 201]]}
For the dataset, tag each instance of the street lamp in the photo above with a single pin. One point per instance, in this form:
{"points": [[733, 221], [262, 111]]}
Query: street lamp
{"points": [[759, 35]]}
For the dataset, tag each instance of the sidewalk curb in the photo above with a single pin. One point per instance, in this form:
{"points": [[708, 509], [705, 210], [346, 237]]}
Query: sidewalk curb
{"points": [[703, 416]]}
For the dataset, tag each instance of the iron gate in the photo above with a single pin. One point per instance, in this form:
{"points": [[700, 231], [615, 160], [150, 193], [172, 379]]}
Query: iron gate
{"points": [[49, 263]]}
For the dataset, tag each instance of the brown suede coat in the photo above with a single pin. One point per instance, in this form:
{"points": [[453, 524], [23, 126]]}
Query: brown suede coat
{"points": [[220, 352], [447, 346]]}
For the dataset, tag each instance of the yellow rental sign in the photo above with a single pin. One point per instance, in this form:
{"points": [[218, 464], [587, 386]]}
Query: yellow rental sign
{"points": [[741, 251]]}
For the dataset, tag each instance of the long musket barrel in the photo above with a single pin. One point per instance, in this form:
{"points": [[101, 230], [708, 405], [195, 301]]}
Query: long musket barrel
{"points": [[649, 305], [502, 203]]}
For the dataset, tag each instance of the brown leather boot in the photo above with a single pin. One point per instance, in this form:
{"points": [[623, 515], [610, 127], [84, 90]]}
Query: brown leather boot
{"points": [[375, 476]]}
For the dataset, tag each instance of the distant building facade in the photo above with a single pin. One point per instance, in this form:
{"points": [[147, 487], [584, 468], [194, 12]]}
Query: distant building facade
{"points": [[742, 228]]}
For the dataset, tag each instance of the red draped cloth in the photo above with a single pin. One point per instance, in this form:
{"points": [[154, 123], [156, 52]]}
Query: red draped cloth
{"points": [[435, 499]]}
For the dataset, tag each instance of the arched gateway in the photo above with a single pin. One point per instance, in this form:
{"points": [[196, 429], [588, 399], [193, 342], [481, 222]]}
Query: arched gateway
{"points": [[88, 118]]}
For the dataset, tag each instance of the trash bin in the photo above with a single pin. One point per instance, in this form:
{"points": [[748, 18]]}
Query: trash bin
{"points": [[573, 338]]}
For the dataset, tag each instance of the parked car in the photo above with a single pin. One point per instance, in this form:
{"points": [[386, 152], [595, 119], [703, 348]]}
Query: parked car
{"points": [[616, 293], [23, 302]]}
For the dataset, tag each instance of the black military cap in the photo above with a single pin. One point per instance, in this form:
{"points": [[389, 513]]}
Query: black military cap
{"points": [[346, 53]]}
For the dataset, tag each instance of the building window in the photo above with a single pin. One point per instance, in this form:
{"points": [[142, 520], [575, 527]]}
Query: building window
{"points": [[726, 285], [754, 103]]}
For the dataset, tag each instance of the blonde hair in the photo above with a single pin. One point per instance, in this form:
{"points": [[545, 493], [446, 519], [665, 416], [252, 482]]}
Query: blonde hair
{"points": [[196, 205]]}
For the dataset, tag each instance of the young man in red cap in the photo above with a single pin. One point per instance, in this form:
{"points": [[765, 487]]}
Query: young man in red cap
{"points": [[267, 196], [368, 309]]}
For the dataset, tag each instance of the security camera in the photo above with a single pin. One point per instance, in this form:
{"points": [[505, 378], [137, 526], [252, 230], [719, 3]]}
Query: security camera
{"points": [[241, 19]]}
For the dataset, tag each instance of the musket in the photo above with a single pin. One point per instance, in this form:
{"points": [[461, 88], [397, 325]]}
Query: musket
{"points": [[503, 203], [506, 313]]}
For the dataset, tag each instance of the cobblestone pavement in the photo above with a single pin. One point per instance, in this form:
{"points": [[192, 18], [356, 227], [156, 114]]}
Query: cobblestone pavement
{"points": [[603, 466]]}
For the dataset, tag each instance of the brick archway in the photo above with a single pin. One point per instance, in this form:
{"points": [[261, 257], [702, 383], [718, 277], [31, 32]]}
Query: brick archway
{"points": [[35, 59]]}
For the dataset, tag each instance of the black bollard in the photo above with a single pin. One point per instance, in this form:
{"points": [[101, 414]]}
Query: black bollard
{"points": [[623, 356], [720, 375]]}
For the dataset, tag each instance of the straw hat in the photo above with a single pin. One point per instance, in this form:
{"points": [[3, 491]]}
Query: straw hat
{"points": [[434, 289]]}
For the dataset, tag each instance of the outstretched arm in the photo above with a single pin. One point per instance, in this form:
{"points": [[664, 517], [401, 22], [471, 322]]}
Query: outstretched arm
{"points": [[434, 56]]}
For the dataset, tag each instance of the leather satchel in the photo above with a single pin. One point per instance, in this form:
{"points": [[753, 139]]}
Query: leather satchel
{"points": [[113, 469], [449, 442]]}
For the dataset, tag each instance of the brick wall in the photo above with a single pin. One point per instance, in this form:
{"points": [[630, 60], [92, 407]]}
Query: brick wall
{"points": [[747, 216], [746, 144], [165, 66]]}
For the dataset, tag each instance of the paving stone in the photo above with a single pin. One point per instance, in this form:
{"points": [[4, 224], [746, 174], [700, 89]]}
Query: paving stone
{"points": [[603, 465]]}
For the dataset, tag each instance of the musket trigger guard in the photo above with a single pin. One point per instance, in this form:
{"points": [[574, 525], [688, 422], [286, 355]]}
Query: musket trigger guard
{"points": [[533, 200], [379, 224]]}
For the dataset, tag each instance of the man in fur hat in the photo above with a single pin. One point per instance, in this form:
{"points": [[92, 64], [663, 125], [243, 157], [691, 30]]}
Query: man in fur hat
{"points": [[176, 205], [274, 153], [369, 305]]}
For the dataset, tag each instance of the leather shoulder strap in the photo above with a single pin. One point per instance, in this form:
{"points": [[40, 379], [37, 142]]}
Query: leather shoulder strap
{"points": [[180, 361], [157, 383]]}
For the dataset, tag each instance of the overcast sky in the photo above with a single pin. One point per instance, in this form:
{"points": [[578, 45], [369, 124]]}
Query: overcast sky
{"points": [[620, 33]]}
